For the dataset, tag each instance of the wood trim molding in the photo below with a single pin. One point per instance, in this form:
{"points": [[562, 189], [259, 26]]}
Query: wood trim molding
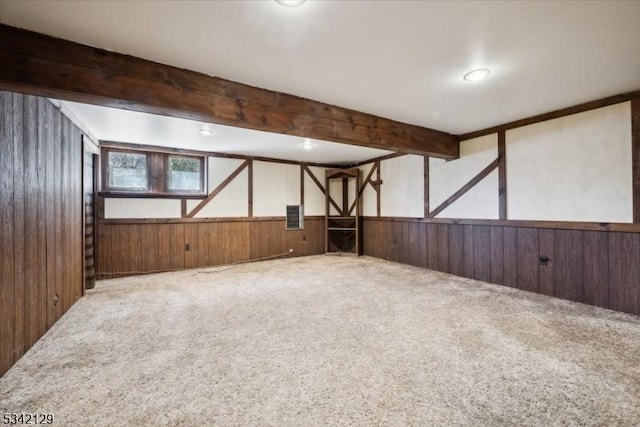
{"points": [[321, 187], [218, 189], [377, 187], [426, 186], [250, 188], [468, 186], [592, 105], [81, 73], [635, 157], [121, 221], [502, 175], [562, 225]]}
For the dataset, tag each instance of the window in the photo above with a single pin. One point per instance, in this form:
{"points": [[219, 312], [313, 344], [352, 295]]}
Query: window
{"points": [[185, 174], [146, 173], [127, 171]]}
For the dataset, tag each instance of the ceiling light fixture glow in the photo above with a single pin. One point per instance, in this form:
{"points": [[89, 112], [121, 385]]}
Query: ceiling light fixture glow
{"points": [[478, 74], [290, 3], [206, 131], [307, 144]]}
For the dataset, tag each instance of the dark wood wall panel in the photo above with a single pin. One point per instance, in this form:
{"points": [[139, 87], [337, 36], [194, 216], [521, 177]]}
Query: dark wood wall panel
{"points": [[126, 249], [600, 268], [547, 271], [596, 268], [41, 266]]}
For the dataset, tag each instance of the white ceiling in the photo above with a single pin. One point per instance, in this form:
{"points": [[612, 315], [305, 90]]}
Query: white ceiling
{"points": [[401, 60], [110, 124]]}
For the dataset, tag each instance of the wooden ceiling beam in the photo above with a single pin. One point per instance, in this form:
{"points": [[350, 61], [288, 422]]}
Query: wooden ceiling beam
{"points": [[42, 65]]}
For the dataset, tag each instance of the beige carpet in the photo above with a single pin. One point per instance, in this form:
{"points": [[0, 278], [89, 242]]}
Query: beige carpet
{"points": [[328, 341]]}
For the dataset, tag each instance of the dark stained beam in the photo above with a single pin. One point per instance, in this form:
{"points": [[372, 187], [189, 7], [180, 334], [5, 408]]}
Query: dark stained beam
{"points": [[41, 65]]}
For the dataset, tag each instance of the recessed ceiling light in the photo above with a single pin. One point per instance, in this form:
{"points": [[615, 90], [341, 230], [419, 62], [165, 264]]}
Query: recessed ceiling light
{"points": [[307, 144], [475, 75], [290, 3], [206, 131]]}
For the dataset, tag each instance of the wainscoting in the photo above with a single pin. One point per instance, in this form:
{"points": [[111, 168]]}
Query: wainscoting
{"points": [[600, 268], [41, 269], [129, 247]]}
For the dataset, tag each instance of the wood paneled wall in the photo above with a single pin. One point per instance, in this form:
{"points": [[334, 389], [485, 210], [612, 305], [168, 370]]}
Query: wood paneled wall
{"points": [[600, 268], [41, 221], [129, 247]]}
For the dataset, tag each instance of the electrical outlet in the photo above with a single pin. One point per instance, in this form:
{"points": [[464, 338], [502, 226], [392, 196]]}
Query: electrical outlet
{"points": [[187, 247], [290, 250]]}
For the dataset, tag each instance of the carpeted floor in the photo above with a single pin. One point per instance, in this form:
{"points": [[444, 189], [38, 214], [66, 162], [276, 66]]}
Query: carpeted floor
{"points": [[328, 340]]}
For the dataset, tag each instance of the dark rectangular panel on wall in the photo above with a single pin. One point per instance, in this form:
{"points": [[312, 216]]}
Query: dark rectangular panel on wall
{"points": [[468, 251], [569, 265], [510, 247], [497, 254], [624, 272], [424, 254], [547, 249], [443, 247], [456, 250], [528, 259], [596, 268], [432, 246], [41, 261], [482, 253], [414, 243], [7, 247]]}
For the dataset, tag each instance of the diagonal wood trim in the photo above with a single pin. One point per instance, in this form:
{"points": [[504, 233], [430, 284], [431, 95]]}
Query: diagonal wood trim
{"points": [[599, 103], [77, 72], [321, 187], [635, 157], [502, 175], [218, 189], [468, 186], [366, 181]]}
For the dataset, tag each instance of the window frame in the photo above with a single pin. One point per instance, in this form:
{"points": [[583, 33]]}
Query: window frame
{"points": [[157, 174], [202, 188]]}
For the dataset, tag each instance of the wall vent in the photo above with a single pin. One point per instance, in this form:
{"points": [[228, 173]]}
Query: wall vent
{"points": [[295, 217]]}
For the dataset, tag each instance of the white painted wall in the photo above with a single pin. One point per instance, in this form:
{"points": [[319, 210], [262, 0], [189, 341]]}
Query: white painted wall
{"points": [[402, 191], [314, 199], [275, 185], [445, 178], [575, 168], [141, 208]]}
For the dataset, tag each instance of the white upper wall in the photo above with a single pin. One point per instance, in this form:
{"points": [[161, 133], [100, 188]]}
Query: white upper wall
{"points": [[445, 178], [275, 185], [402, 191], [575, 168]]}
